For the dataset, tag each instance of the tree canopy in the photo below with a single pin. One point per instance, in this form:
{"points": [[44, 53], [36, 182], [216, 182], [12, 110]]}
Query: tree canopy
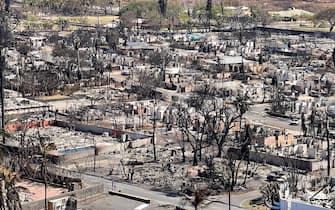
{"points": [[68, 7], [327, 15], [261, 16]]}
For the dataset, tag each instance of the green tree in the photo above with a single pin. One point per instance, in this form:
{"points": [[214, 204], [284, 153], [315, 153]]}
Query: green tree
{"points": [[327, 15], [63, 23], [146, 82], [60, 50], [261, 16], [209, 12], [68, 7], [162, 7], [43, 148], [173, 16], [112, 38], [23, 48]]}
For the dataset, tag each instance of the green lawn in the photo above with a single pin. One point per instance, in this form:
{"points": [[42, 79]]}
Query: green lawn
{"points": [[311, 29], [91, 20], [88, 20]]}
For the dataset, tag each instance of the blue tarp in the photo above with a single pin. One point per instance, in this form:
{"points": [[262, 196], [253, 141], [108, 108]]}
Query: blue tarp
{"points": [[195, 37], [79, 149]]}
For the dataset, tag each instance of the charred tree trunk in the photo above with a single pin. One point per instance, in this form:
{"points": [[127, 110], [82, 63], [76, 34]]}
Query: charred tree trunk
{"points": [[183, 153], [195, 158]]}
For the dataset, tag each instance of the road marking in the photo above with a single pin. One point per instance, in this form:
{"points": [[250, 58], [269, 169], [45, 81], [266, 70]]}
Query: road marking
{"points": [[144, 205]]}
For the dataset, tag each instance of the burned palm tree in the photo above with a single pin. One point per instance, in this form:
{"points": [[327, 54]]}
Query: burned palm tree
{"points": [[162, 7], [196, 195], [43, 148], [241, 106], [209, 13], [303, 124], [271, 194]]}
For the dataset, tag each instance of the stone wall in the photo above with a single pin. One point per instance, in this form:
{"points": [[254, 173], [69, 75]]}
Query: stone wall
{"points": [[277, 160]]}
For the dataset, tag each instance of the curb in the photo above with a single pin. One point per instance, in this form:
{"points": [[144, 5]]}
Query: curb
{"points": [[129, 196]]}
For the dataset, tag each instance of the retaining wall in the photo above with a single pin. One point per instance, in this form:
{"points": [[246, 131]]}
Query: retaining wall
{"points": [[72, 154], [81, 195], [302, 164], [99, 130]]}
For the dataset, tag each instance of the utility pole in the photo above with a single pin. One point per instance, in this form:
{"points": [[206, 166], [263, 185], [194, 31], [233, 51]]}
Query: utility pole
{"points": [[76, 44], [229, 184], [222, 64], [163, 55], [95, 154], [154, 129], [45, 181], [137, 21], [2, 94], [119, 5], [229, 199], [209, 14], [328, 147]]}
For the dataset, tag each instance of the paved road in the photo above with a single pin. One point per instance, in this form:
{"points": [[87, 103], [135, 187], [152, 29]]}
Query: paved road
{"points": [[258, 115], [162, 198], [111, 203]]}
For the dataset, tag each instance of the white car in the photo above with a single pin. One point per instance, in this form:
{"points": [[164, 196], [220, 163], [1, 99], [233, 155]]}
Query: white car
{"points": [[294, 122]]}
